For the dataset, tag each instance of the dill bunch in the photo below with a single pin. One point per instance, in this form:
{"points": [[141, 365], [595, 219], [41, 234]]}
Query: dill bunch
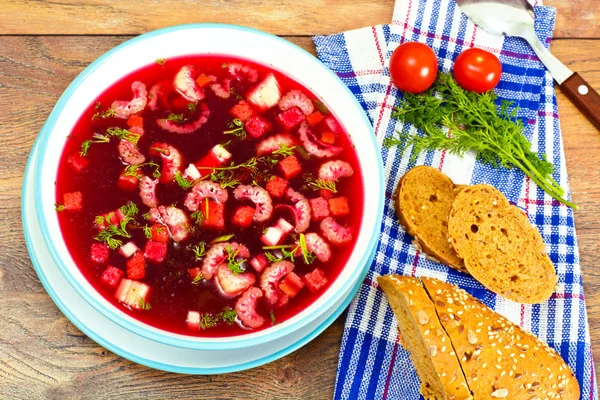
{"points": [[474, 123]]}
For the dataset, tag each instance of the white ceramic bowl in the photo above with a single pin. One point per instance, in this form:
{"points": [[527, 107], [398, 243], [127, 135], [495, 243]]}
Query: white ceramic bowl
{"points": [[206, 39]]}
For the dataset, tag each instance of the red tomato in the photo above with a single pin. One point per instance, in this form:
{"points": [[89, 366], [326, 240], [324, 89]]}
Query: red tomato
{"points": [[413, 67], [477, 70]]}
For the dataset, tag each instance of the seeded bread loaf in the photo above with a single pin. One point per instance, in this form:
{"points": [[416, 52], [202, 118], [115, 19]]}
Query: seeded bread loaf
{"points": [[500, 248], [499, 359], [423, 336], [423, 202]]}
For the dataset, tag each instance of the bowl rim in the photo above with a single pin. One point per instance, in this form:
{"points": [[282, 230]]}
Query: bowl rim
{"points": [[157, 334]]}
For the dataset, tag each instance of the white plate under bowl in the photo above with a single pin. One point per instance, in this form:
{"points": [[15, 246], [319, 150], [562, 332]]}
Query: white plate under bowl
{"points": [[210, 39], [137, 348]]}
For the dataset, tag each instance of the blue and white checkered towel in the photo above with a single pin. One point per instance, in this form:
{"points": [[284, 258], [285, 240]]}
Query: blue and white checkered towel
{"points": [[372, 365]]}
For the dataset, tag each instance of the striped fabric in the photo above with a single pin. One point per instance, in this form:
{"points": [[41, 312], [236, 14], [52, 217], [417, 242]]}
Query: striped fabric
{"points": [[372, 364]]}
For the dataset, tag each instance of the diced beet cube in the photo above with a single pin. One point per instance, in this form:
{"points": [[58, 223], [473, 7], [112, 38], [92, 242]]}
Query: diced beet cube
{"points": [[155, 252], [315, 280], [159, 233], [259, 262], [257, 126], [136, 267], [320, 208], [314, 118], [242, 110], [326, 194], [339, 206], [133, 293], [328, 137], [111, 276], [135, 120], [203, 80], [277, 187], [273, 236], [291, 118], [243, 216], [215, 220], [99, 253], [77, 162], [290, 167], [128, 249], [266, 94], [193, 320], [128, 182], [285, 226], [194, 272], [192, 172], [291, 284], [218, 156], [73, 201]]}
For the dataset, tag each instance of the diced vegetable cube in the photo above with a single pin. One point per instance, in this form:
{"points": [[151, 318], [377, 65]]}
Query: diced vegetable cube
{"points": [[291, 284], [266, 94], [243, 216], [128, 249], [202, 80], [221, 154], [290, 167], [133, 293], [193, 320], [216, 157], [73, 201], [111, 276], [128, 182], [339, 206], [277, 187], [99, 253], [160, 233], [328, 137], [285, 226], [315, 280], [135, 120], [136, 267], [257, 126], [77, 162], [192, 172], [274, 235], [320, 208], [242, 110], [259, 262], [332, 125], [215, 220], [291, 118], [314, 118], [155, 252], [194, 272]]}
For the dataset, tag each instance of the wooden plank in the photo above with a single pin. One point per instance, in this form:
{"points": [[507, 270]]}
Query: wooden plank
{"points": [[576, 18], [43, 356]]}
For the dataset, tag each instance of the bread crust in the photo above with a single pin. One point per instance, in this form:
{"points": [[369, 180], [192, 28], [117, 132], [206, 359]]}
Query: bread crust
{"points": [[499, 246], [423, 201]]}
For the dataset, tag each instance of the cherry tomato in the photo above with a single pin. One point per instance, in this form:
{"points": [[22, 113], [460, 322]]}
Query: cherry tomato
{"points": [[413, 67], [477, 70]]}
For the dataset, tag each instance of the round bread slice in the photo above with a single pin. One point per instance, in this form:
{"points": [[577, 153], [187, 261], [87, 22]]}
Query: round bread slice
{"points": [[425, 339], [499, 359], [500, 248], [423, 202]]}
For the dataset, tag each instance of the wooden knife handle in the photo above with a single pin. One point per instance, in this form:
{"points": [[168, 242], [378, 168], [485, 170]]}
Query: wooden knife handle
{"points": [[584, 97]]}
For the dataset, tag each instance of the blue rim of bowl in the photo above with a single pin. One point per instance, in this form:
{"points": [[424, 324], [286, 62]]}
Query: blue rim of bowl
{"points": [[155, 364], [166, 337]]}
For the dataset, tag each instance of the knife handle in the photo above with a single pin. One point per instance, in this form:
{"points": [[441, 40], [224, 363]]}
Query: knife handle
{"points": [[583, 96]]}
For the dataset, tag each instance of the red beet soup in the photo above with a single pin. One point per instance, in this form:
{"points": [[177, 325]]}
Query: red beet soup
{"points": [[209, 196]]}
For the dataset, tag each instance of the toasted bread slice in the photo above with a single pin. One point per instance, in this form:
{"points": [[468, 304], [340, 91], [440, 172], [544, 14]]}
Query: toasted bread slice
{"points": [[423, 336], [499, 359], [500, 248], [424, 198]]}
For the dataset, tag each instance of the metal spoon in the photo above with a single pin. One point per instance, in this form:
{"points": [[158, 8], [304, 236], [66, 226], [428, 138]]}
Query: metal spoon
{"points": [[516, 18]]}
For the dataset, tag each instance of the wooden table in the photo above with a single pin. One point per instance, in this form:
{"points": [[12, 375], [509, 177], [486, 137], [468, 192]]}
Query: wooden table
{"points": [[44, 45]]}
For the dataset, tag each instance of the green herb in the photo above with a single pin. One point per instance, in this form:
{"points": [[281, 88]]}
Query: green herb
{"points": [[199, 250], [224, 65], [309, 257], [133, 170], [227, 316], [144, 305], [197, 217], [110, 231], [273, 320], [109, 113], [59, 207], [225, 178], [324, 184], [198, 278], [85, 146], [192, 106], [249, 165], [321, 106], [235, 93], [129, 210], [207, 321], [236, 129], [234, 265], [97, 106], [183, 182], [459, 121], [146, 216], [161, 61], [123, 134], [177, 118], [97, 138], [222, 238], [284, 151]]}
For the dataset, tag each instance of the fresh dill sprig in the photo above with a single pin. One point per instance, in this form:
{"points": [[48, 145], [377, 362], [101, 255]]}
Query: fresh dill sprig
{"points": [[147, 232], [123, 134], [199, 251], [227, 316], [108, 113], [96, 138], [110, 231], [234, 264], [161, 61], [192, 106], [197, 217], [222, 238], [449, 117], [59, 207], [318, 184], [198, 278], [144, 305], [177, 118], [183, 182], [226, 179], [236, 128]]}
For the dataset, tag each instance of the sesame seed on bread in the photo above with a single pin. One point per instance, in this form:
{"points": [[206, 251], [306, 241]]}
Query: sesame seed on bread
{"points": [[423, 202], [499, 246], [499, 359], [425, 339]]}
